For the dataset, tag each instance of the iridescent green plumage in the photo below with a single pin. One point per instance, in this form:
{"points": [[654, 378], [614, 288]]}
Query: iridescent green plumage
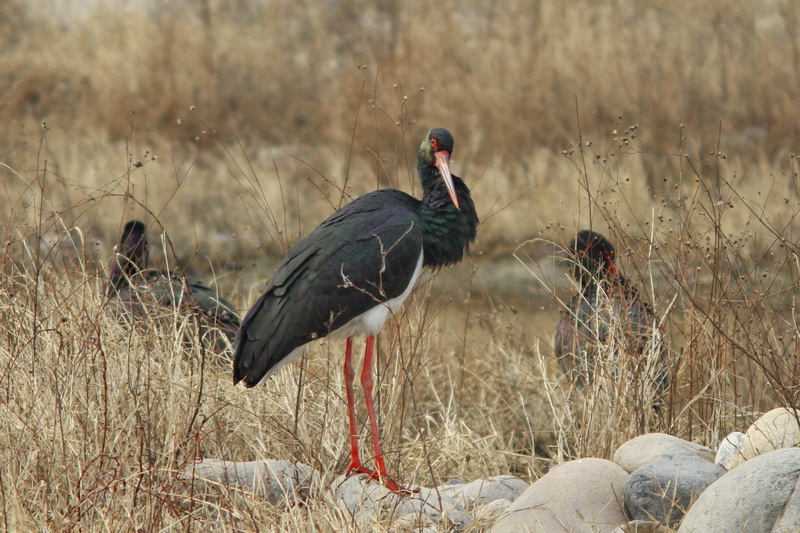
{"points": [[447, 230]]}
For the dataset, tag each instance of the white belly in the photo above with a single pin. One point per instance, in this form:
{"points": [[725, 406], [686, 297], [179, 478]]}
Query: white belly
{"points": [[371, 322]]}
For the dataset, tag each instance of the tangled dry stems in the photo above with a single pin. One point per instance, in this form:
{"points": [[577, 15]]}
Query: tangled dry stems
{"points": [[98, 418]]}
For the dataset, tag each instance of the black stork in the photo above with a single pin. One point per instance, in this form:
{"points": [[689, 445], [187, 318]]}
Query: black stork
{"points": [[133, 286], [352, 272], [606, 300]]}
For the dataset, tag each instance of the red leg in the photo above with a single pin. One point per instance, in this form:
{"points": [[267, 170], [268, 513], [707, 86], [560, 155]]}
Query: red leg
{"points": [[349, 377], [367, 383]]}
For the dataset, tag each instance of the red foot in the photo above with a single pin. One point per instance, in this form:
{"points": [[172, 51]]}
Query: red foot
{"points": [[390, 483], [358, 468], [393, 485]]}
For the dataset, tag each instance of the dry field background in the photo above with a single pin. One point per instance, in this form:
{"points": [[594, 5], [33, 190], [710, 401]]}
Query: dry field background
{"points": [[237, 126]]}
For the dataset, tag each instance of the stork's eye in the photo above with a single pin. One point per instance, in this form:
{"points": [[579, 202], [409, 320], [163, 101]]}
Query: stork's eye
{"points": [[434, 144]]}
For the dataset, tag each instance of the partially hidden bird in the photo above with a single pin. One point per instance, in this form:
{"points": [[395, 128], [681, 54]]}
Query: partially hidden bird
{"points": [[352, 272], [607, 315], [138, 289]]}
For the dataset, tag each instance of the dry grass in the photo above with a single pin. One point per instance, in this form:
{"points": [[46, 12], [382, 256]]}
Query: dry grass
{"points": [[100, 418], [250, 124], [288, 72], [189, 81]]}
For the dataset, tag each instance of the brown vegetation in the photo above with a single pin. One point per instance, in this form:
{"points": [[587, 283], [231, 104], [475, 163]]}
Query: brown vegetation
{"points": [[238, 126]]}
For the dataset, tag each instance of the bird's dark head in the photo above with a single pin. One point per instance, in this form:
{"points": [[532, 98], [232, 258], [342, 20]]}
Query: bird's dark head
{"points": [[133, 243], [435, 151], [592, 254], [133, 246], [130, 256], [438, 139], [134, 226]]}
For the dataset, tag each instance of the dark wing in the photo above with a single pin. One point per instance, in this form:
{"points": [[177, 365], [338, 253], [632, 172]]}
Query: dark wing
{"points": [[363, 254], [155, 289], [644, 338], [576, 337], [585, 324], [218, 312]]}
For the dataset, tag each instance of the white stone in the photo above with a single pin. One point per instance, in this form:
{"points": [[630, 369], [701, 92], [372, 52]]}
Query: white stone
{"points": [[646, 448], [759, 495], [369, 500], [642, 526], [483, 491], [774, 430], [412, 522], [493, 508], [277, 481], [581, 496], [730, 447]]}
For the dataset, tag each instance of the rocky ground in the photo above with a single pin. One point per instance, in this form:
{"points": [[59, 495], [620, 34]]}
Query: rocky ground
{"points": [[655, 483]]}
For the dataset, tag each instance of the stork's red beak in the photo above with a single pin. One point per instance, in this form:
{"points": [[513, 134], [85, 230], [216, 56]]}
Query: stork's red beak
{"points": [[443, 164], [610, 267]]}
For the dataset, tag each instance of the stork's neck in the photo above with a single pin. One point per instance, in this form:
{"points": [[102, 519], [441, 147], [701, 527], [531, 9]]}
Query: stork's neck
{"points": [[608, 277], [428, 175], [590, 269], [447, 230], [128, 260]]}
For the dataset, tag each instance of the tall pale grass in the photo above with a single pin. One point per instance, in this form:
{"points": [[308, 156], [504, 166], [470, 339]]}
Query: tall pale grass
{"points": [[283, 72], [100, 417], [233, 131]]}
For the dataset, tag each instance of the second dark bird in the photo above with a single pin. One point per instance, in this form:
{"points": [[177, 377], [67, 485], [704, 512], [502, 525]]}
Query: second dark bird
{"points": [[354, 271], [607, 314], [139, 290]]}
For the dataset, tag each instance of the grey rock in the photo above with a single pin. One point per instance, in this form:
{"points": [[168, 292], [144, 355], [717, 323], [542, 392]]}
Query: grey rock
{"points": [[277, 481], [645, 448], [578, 496], [484, 516], [664, 489], [757, 496], [494, 508], [368, 500], [483, 491], [413, 522], [642, 526], [789, 521]]}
